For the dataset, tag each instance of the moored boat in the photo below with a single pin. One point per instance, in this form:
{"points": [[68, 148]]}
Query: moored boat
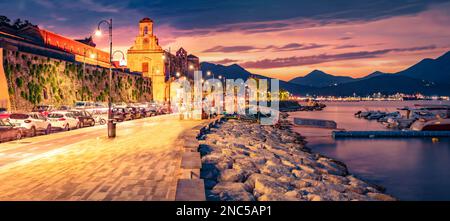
{"points": [[438, 124]]}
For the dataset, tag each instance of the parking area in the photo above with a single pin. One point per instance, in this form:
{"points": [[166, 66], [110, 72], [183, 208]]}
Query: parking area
{"points": [[47, 119]]}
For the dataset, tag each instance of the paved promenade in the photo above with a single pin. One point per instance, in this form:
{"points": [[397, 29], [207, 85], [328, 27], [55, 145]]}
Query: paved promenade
{"points": [[142, 163]]}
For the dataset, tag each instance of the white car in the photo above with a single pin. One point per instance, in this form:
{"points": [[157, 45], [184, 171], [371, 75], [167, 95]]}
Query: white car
{"points": [[63, 120], [32, 122]]}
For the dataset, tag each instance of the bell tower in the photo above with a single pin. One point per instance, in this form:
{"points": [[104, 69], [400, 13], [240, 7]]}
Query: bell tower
{"points": [[146, 56], [146, 27]]}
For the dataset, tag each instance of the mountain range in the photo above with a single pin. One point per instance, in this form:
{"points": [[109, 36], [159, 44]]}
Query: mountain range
{"points": [[429, 77]]}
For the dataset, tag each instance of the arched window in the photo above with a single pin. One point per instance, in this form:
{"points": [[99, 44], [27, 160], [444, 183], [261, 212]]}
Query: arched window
{"points": [[145, 30]]}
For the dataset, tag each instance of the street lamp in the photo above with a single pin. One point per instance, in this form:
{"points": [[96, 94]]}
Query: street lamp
{"points": [[170, 77], [98, 32], [209, 74]]}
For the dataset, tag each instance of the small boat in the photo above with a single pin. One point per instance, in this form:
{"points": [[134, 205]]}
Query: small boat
{"points": [[376, 115], [399, 123], [438, 124], [392, 115], [365, 114]]}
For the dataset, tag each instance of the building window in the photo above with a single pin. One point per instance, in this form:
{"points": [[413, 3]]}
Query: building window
{"points": [[145, 67], [145, 30]]}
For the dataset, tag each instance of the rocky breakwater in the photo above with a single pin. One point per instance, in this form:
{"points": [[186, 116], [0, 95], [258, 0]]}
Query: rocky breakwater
{"points": [[243, 161]]}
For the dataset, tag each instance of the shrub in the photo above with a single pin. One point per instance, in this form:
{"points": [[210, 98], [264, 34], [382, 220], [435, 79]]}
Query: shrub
{"points": [[19, 82]]}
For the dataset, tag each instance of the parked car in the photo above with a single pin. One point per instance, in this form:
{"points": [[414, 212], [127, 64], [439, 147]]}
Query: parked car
{"points": [[135, 112], [145, 112], [43, 109], [9, 132], [31, 122], [4, 114], [64, 108], [84, 117], [100, 108], [63, 120], [83, 104], [121, 114]]}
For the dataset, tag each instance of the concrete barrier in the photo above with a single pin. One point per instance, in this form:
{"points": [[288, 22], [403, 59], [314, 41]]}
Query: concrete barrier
{"points": [[190, 190], [190, 187]]}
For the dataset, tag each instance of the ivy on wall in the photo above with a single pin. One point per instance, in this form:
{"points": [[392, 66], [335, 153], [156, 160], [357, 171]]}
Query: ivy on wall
{"points": [[36, 79]]}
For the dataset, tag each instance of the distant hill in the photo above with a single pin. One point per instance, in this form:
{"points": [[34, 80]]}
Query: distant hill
{"points": [[385, 84], [429, 77], [374, 74], [319, 78], [435, 70], [235, 71]]}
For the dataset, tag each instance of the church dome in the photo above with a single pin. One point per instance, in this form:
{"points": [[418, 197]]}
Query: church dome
{"points": [[145, 20]]}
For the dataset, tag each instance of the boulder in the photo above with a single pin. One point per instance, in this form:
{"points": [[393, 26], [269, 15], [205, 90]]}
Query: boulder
{"points": [[230, 191], [264, 185], [278, 197], [314, 197], [381, 197], [276, 170], [209, 171], [307, 169], [333, 166], [209, 184], [300, 184], [245, 165], [334, 179], [213, 158], [231, 175], [301, 174]]}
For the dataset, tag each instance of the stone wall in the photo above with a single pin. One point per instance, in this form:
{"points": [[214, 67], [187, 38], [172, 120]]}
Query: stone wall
{"points": [[34, 79]]}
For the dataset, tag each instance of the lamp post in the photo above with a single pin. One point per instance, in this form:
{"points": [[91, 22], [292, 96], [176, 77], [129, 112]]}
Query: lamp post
{"points": [[84, 73], [111, 124], [170, 77]]}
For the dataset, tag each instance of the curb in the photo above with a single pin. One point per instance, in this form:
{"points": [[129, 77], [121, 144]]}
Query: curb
{"points": [[190, 187]]}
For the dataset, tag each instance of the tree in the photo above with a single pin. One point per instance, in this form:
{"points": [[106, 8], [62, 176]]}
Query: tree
{"points": [[4, 20]]}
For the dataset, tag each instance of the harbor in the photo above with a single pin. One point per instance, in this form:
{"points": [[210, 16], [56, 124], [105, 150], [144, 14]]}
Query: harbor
{"points": [[412, 168]]}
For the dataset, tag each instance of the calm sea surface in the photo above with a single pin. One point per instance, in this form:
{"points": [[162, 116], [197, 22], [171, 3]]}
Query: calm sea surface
{"points": [[410, 169]]}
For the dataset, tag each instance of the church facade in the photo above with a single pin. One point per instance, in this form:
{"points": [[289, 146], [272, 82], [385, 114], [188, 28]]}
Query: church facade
{"points": [[148, 57]]}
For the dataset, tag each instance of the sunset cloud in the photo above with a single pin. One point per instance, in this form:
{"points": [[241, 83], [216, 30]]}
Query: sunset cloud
{"points": [[322, 58], [280, 38], [225, 61]]}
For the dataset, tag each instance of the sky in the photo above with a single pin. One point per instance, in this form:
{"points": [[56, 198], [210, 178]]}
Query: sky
{"points": [[276, 38]]}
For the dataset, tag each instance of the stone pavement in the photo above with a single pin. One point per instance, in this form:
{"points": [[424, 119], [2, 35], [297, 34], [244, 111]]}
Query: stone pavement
{"points": [[142, 163]]}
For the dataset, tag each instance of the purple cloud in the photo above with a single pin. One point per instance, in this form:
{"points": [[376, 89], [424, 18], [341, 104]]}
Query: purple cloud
{"points": [[322, 58], [346, 46], [229, 49], [246, 48], [225, 61]]}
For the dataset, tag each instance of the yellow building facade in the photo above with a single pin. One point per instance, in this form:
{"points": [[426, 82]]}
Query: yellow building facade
{"points": [[146, 56], [4, 95]]}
